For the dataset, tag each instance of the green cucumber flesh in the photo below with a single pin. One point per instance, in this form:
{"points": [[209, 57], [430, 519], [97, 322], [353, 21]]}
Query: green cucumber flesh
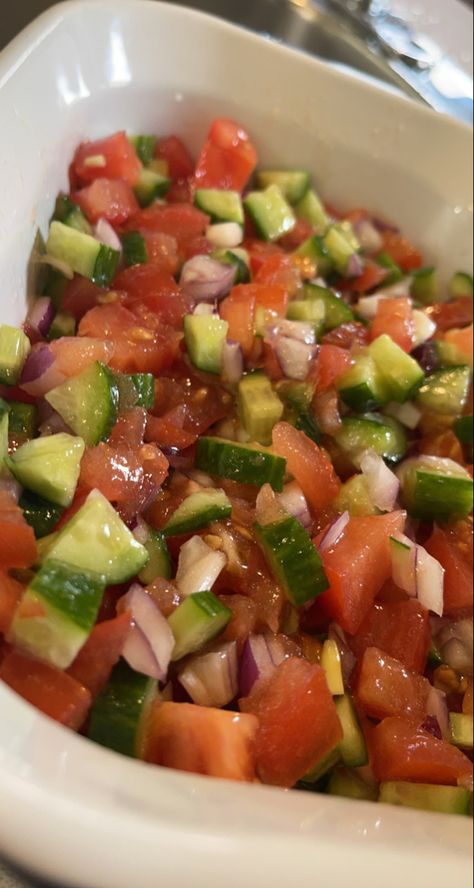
{"points": [[88, 403], [49, 466], [292, 183], [197, 511], [118, 716], [352, 747], [159, 559], [461, 729], [197, 620], [463, 428], [144, 147], [293, 559], [354, 497], [245, 463], [40, 514], [83, 253], [336, 311], [205, 337], [271, 214], [134, 248], [144, 384], [69, 213], [259, 406], [150, 186], [435, 489], [339, 248], [394, 272], [310, 310], [311, 209], [445, 391], [63, 324], [426, 797], [385, 435], [316, 250], [3, 440], [460, 285], [238, 257], [347, 784], [220, 205], [322, 767], [424, 286], [14, 350], [362, 386], [401, 374], [451, 355]]}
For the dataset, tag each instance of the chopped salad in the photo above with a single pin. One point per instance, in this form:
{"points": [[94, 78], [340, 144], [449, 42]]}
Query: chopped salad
{"points": [[236, 480]]}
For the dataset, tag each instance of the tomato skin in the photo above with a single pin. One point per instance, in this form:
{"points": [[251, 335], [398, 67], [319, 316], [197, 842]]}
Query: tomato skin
{"points": [[384, 687], [298, 721], [18, 544], [455, 313], [153, 287], [238, 309], [11, 592], [297, 236], [180, 220], [259, 252], [111, 199], [332, 362], [168, 431], [79, 296], [202, 740], [96, 659], [462, 340], [347, 335], [172, 150], [121, 161], [307, 463], [278, 270], [458, 571], [371, 277], [48, 689], [400, 628], [395, 318], [401, 250], [227, 158], [401, 750]]}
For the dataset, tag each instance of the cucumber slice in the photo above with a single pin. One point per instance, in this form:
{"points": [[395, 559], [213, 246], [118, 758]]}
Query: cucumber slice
{"points": [[425, 285], [352, 748], [88, 403], [294, 560], [316, 251], [159, 559], [245, 463], [144, 384], [296, 395], [435, 489], [96, 539], [22, 421], [3, 437], [205, 336], [238, 257], [395, 274], [384, 435], [196, 621], [260, 408], [270, 213], [340, 248], [310, 310], [197, 511], [68, 212], [349, 785], [40, 514], [362, 386], [144, 147], [461, 729], [463, 428], [311, 209], [426, 797], [354, 497], [450, 355], [322, 767], [331, 663], [336, 311], [460, 285], [293, 184], [14, 350], [150, 186], [221, 206], [64, 324], [57, 612], [83, 253], [401, 373], [118, 716], [49, 466], [306, 423], [55, 285], [134, 248], [445, 391]]}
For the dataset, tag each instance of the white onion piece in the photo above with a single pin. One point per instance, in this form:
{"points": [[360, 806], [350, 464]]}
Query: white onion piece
{"points": [[150, 643], [383, 485], [407, 413], [299, 330], [367, 306], [436, 705], [332, 533], [204, 279], [403, 555], [58, 264], [232, 362], [104, 233], [198, 566], [424, 578], [368, 237], [268, 507], [211, 679], [225, 235], [204, 308], [294, 357], [294, 501], [423, 327], [355, 266]]}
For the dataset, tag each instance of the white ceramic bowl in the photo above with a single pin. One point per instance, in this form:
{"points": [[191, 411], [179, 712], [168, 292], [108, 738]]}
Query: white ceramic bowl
{"points": [[69, 810]]}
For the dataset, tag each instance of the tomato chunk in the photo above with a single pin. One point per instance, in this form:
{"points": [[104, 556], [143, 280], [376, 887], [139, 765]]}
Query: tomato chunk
{"points": [[454, 557], [455, 313], [110, 158], [227, 158], [202, 740], [154, 288], [371, 277], [385, 687], [96, 659], [176, 155], [298, 721], [400, 628], [401, 250], [462, 341], [239, 312], [110, 199], [307, 463], [395, 318], [11, 592], [332, 362], [17, 539], [401, 750]]}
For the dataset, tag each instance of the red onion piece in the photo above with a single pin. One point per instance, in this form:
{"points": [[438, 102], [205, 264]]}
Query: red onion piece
{"points": [[431, 726], [368, 236], [104, 233], [211, 679], [294, 501], [37, 363], [256, 662], [9, 485], [333, 531], [355, 266], [39, 318], [294, 357], [150, 643], [232, 362], [204, 279], [198, 566], [348, 660], [383, 485], [437, 708], [299, 330]]}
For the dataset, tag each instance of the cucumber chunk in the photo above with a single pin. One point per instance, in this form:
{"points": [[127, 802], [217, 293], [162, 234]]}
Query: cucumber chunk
{"points": [[238, 257], [96, 539], [394, 272], [384, 435], [336, 311], [3, 438], [294, 560], [270, 212], [293, 184], [63, 324], [425, 285], [150, 186], [68, 212], [144, 384], [435, 489], [197, 511], [57, 613], [322, 767], [22, 421], [401, 374], [349, 785], [354, 497], [260, 407], [445, 391], [144, 147], [205, 336], [451, 355], [311, 209], [118, 716], [221, 206], [352, 748], [40, 514], [331, 663], [134, 248], [461, 729], [426, 797], [316, 251], [159, 559], [49, 466], [463, 428], [460, 285], [88, 403], [362, 386], [14, 350], [196, 621], [245, 463], [312, 311], [340, 247], [83, 253]]}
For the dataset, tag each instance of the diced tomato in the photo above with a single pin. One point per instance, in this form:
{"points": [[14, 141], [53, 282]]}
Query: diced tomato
{"points": [[114, 157], [96, 659], [176, 155], [279, 270], [168, 430], [357, 567], [161, 249], [271, 363], [455, 313], [17, 539], [244, 618], [332, 362], [384, 687], [371, 277], [72, 354], [202, 740], [259, 252], [301, 232], [11, 592], [395, 318], [401, 250], [79, 296], [400, 628], [129, 428], [181, 221], [347, 335], [462, 342], [154, 288], [453, 555], [401, 750], [49, 689], [307, 463], [111, 199], [205, 403], [272, 297], [298, 721], [239, 312], [227, 158]]}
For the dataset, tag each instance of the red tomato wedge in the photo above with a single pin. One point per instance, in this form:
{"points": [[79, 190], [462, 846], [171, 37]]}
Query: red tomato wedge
{"points": [[110, 158], [401, 250], [395, 318], [278, 270], [96, 659], [180, 220], [298, 721], [176, 155], [239, 312], [455, 313], [111, 199], [11, 592], [154, 288], [385, 687], [371, 277], [168, 431], [49, 689], [307, 463], [227, 158], [74, 354], [79, 296], [202, 740], [451, 554], [401, 750], [400, 628], [462, 342], [17, 539], [332, 362]]}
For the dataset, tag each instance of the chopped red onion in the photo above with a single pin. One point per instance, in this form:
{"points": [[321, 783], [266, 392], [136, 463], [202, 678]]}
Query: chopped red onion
{"points": [[294, 357], [418, 573], [204, 279], [9, 485], [427, 356], [431, 726], [150, 643], [368, 236], [225, 235], [211, 679], [38, 362], [437, 708], [294, 501], [423, 327], [104, 233], [299, 330], [198, 566], [256, 662], [455, 642], [333, 531], [348, 660], [53, 424], [39, 318], [232, 362], [268, 508], [355, 266], [383, 485]]}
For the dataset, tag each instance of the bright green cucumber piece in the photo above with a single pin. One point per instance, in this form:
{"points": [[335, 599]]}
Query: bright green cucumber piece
{"points": [[159, 559], [394, 272], [461, 729], [260, 407], [349, 785], [49, 466], [306, 423], [14, 350], [271, 214], [312, 311], [316, 250], [354, 497], [205, 336], [362, 386], [293, 184], [40, 514], [445, 391], [352, 747], [83, 253], [322, 767], [426, 797], [96, 539], [425, 285], [384, 435], [150, 186], [68, 212], [57, 612], [220, 205], [144, 147], [197, 620], [245, 463], [311, 209], [401, 374], [22, 421], [64, 324], [340, 247], [460, 285], [296, 395], [197, 511], [88, 403], [435, 489], [237, 257], [336, 311], [118, 716], [134, 248], [294, 560]]}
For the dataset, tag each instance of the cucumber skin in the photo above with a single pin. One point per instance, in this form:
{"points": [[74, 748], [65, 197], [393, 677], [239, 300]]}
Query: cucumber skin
{"points": [[388, 439], [197, 620], [200, 519], [426, 797], [115, 720], [97, 391], [293, 558], [40, 514], [240, 463], [439, 497], [74, 593], [445, 391], [134, 248]]}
